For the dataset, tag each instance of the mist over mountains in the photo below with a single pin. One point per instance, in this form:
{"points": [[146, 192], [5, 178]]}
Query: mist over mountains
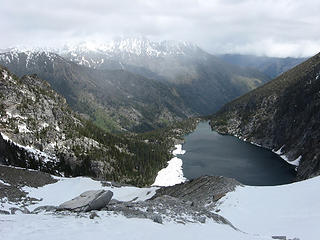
{"points": [[136, 84]]}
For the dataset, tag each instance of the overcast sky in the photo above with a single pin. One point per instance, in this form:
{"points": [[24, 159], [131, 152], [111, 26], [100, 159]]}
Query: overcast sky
{"points": [[262, 27]]}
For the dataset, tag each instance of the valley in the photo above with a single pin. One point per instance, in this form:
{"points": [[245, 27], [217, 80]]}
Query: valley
{"points": [[116, 119], [136, 84]]}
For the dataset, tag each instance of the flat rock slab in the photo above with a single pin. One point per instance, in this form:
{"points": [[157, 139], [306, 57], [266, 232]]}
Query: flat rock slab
{"points": [[87, 201]]}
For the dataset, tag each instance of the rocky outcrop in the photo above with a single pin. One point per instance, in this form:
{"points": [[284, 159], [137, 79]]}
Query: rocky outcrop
{"points": [[200, 192], [87, 201], [17, 178], [40, 131], [282, 115], [192, 201]]}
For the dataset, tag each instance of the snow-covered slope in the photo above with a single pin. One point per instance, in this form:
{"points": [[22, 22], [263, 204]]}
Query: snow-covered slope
{"points": [[28, 57], [291, 210]]}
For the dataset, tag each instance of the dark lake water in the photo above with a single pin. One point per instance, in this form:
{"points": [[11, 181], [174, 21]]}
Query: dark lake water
{"points": [[209, 153]]}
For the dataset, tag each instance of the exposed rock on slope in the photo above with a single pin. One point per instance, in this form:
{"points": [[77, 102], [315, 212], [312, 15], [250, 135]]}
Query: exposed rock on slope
{"points": [[282, 115], [203, 191]]}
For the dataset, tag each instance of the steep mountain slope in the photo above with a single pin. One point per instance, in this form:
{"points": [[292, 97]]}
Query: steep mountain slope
{"points": [[114, 99], [270, 66], [40, 131], [198, 77], [282, 115]]}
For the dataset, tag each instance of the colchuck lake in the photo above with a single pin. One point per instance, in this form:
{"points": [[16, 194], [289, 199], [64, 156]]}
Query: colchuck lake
{"points": [[209, 153]]}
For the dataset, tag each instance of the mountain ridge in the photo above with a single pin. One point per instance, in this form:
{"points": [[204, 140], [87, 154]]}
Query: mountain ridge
{"points": [[282, 115], [125, 92]]}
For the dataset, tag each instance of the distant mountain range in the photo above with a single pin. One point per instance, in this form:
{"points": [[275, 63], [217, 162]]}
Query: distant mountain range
{"points": [[270, 66], [198, 76], [136, 84], [283, 115]]}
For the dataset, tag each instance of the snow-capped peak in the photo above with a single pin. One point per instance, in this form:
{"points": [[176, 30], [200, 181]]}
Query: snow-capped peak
{"points": [[136, 46]]}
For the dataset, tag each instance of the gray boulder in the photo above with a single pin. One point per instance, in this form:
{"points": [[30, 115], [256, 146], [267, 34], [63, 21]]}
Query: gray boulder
{"points": [[87, 201]]}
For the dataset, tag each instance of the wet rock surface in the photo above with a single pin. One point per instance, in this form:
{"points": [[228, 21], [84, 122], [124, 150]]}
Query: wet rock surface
{"points": [[201, 191]]}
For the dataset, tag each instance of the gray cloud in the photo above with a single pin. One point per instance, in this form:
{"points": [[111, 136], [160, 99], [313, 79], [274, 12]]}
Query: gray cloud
{"points": [[263, 27]]}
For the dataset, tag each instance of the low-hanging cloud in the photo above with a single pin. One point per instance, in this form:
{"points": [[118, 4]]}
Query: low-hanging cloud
{"points": [[262, 27]]}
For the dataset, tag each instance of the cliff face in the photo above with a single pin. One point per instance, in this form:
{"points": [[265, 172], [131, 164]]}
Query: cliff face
{"points": [[283, 115]]}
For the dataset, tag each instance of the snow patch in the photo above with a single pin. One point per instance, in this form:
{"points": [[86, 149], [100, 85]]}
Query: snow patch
{"points": [[5, 74], [23, 128], [44, 125], [256, 144], [4, 183], [173, 173], [284, 157], [296, 162], [73, 187], [178, 150]]}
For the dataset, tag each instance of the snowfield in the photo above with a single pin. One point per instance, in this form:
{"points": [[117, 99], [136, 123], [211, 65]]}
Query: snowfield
{"points": [[173, 173], [291, 210]]}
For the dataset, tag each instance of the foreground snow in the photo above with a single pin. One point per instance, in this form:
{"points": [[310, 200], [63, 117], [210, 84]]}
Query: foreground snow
{"points": [[107, 225], [173, 173], [38, 227], [291, 210]]}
